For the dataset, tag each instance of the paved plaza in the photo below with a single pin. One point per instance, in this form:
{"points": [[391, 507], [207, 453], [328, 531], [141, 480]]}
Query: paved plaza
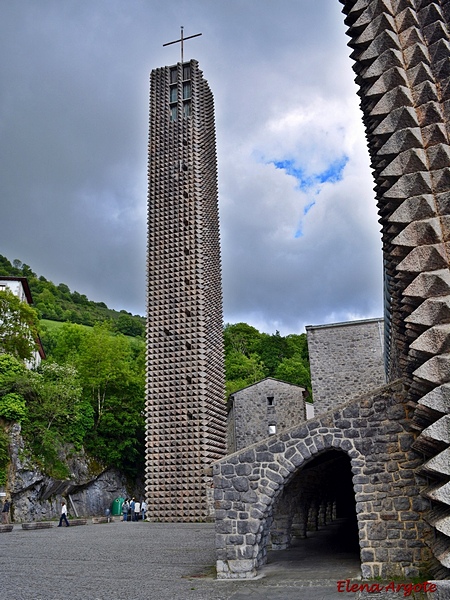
{"points": [[163, 561]]}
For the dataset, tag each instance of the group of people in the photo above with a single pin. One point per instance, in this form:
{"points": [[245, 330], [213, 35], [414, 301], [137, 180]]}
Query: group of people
{"points": [[134, 508], [130, 507]]}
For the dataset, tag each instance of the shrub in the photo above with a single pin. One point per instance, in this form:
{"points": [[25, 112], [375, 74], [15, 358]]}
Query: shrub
{"points": [[13, 408]]}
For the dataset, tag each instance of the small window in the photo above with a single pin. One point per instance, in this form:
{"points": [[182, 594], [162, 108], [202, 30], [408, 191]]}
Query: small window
{"points": [[188, 346], [173, 93], [173, 113], [166, 331], [186, 109], [186, 252], [272, 429], [173, 75], [270, 400], [186, 90], [186, 71], [188, 379]]}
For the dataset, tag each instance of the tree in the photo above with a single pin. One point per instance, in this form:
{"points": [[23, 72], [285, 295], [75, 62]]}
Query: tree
{"points": [[242, 371], [128, 325], [103, 361], [63, 344], [113, 375], [18, 326], [272, 349], [242, 338], [57, 394], [294, 370]]}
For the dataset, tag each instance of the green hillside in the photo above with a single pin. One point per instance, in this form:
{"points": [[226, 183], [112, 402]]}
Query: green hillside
{"points": [[59, 303]]}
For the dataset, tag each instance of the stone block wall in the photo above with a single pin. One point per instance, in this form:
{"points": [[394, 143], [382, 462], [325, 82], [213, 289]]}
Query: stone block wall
{"points": [[268, 403], [252, 487], [346, 360]]}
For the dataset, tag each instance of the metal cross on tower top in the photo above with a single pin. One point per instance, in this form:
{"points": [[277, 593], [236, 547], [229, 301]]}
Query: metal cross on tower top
{"points": [[182, 39]]}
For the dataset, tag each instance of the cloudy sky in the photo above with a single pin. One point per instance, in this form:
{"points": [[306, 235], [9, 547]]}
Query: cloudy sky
{"points": [[300, 237]]}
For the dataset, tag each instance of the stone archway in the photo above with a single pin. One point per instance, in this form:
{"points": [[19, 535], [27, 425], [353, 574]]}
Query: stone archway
{"points": [[374, 432], [249, 485], [320, 492]]}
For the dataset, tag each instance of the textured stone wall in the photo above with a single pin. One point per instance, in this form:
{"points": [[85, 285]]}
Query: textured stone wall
{"points": [[269, 402], [252, 487], [346, 360]]}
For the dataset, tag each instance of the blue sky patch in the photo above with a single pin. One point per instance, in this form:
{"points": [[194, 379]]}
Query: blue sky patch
{"points": [[332, 173], [306, 183]]}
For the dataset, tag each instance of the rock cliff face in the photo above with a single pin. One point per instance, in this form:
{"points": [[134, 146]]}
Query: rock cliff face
{"points": [[36, 496]]}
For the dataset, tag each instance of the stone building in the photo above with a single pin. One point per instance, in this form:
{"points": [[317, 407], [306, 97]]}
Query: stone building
{"points": [[346, 360], [185, 408], [391, 445], [267, 407]]}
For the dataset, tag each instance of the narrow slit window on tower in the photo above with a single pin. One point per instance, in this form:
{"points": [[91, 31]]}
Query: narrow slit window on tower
{"points": [[187, 281], [188, 312], [188, 346], [186, 109], [270, 400], [188, 379], [186, 251], [186, 90]]}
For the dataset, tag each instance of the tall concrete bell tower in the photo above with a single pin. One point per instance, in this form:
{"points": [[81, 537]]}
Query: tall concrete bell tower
{"points": [[185, 409]]}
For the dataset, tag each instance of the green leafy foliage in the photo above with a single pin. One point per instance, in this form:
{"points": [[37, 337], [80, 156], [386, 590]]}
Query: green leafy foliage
{"points": [[58, 303], [111, 372], [251, 356], [18, 326], [13, 407]]}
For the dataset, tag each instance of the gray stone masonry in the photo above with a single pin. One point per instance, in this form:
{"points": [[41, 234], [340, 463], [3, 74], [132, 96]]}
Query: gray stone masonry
{"points": [[268, 403], [346, 360], [373, 431]]}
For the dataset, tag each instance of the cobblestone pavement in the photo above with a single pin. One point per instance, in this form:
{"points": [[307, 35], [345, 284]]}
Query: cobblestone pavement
{"points": [[160, 561]]}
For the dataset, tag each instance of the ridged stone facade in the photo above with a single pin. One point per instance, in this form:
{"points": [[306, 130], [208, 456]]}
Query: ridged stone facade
{"points": [[401, 50], [185, 409]]}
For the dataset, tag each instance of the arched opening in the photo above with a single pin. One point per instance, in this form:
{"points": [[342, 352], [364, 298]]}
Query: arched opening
{"points": [[314, 520]]}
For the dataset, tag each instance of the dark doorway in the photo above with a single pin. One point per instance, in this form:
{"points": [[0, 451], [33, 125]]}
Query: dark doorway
{"points": [[321, 502]]}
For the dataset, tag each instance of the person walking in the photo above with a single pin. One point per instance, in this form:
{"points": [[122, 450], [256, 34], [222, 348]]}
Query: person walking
{"points": [[143, 509], [5, 512], [132, 503], [137, 510], [63, 515]]}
